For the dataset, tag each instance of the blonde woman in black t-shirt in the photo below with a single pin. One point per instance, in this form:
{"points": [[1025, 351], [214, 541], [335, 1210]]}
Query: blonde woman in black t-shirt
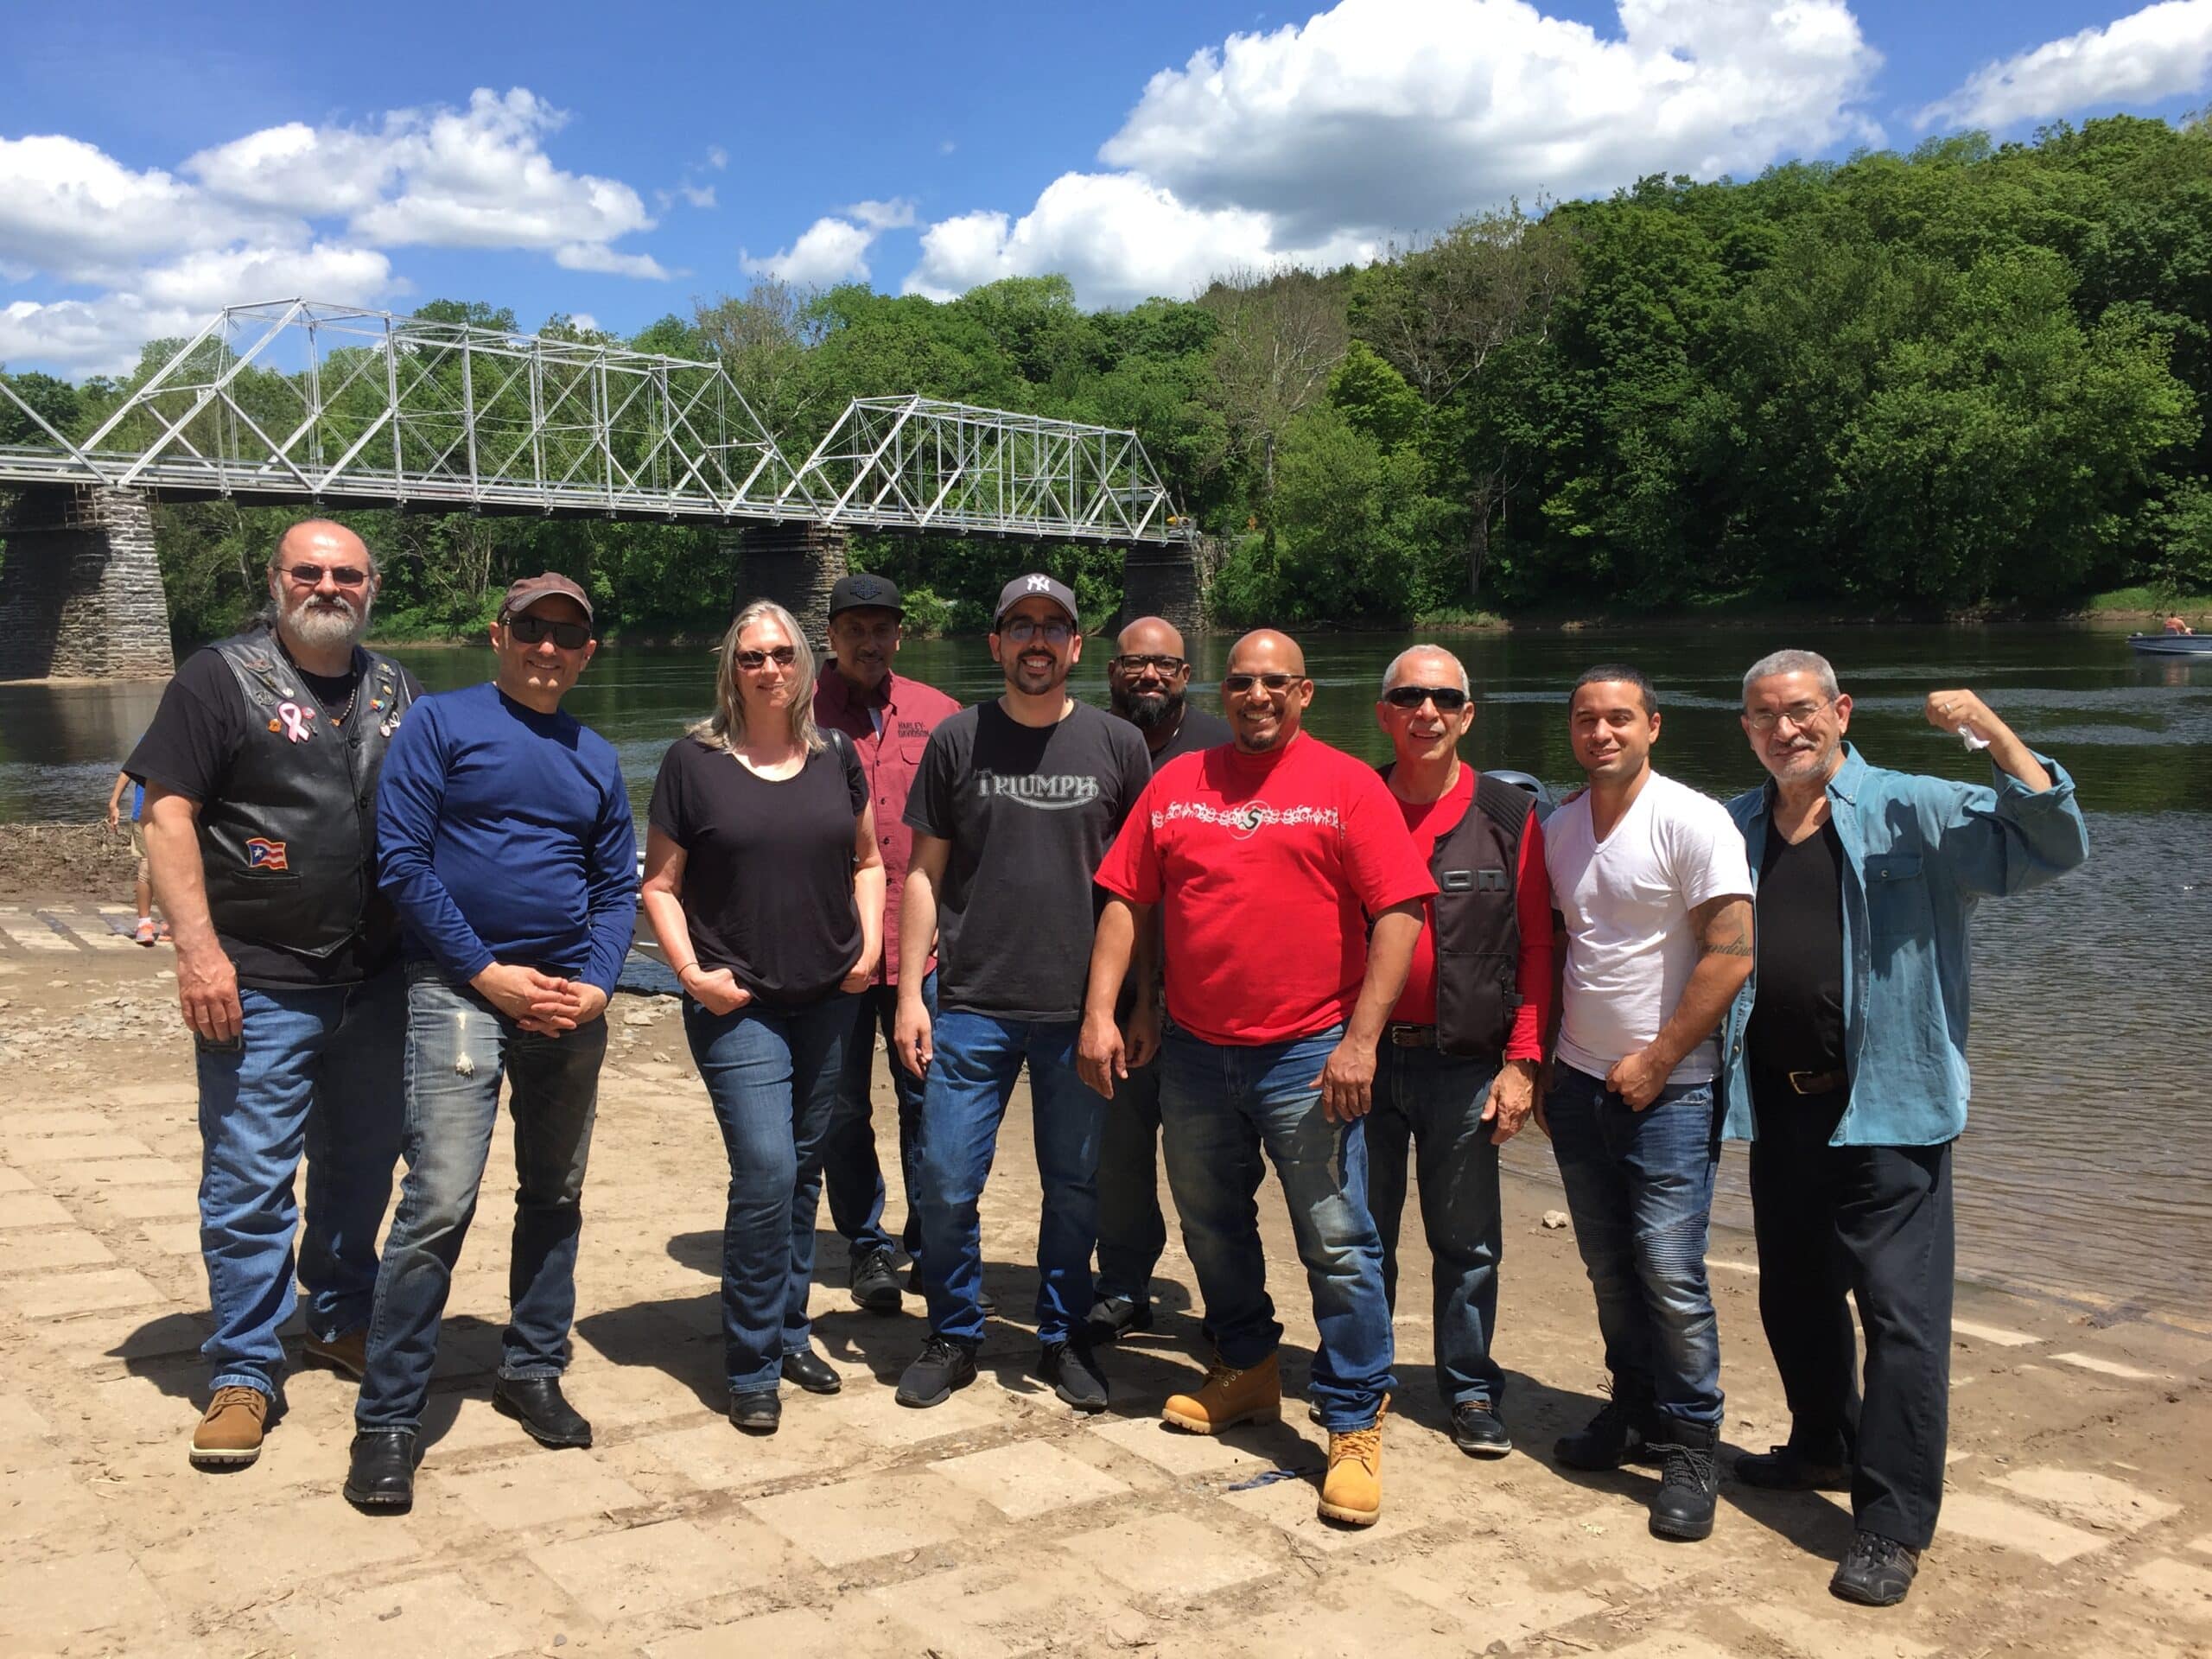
{"points": [[765, 887]]}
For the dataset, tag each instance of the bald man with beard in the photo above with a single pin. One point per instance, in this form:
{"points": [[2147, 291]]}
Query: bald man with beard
{"points": [[1267, 855]]}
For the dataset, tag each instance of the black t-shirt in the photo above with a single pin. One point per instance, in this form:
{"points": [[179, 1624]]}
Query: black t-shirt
{"points": [[1797, 1021], [767, 865], [190, 746], [1030, 811]]}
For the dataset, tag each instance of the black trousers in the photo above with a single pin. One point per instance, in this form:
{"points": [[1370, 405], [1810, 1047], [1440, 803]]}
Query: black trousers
{"points": [[1873, 1222]]}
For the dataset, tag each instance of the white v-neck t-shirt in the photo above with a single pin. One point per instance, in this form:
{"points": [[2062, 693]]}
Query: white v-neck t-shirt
{"points": [[1626, 901]]}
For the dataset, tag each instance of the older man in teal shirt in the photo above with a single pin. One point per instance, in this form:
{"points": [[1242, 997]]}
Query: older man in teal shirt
{"points": [[1844, 1066]]}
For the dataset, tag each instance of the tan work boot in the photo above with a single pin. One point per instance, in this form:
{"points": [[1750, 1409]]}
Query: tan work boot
{"points": [[1352, 1490], [1228, 1397], [347, 1354], [229, 1435]]}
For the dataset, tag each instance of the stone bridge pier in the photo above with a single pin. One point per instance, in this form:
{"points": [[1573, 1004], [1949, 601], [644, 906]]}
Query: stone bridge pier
{"points": [[795, 563], [1169, 582], [80, 590]]}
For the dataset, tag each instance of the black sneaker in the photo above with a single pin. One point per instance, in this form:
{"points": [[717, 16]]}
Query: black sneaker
{"points": [[1787, 1469], [875, 1282], [1615, 1436], [1477, 1430], [1689, 1483], [1074, 1375], [759, 1412], [942, 1366], [1875, 1572], [1113, 1318]]}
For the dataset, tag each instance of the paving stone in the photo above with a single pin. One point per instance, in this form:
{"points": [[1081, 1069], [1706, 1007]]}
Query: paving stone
{"points": [[442, 1616], [875, 1412], [69, 1149], [40, 1252], [2182, 1586], [1818, 1635], [269, 1550], [647, 1569], [1168, 1555], [2094, 1500], [156, 1094], [1240, 1454], [2012, 1527], [841, 1632], [171, 1237], [82, 1292], [1029, 1478], [543, 1487], [873, 1515], [151, 1203], [1491, 1598], [1290, 1504], [997, 1611], [2202, 1546], [32, 1210], [13, 1181], [63, 1120], [2103, 1367], [19, 1421], [1996, 1335], [44, 1505], [716, 1458], [66, 1595], [110, 1339], [1672, 1644], [100, 1173]]}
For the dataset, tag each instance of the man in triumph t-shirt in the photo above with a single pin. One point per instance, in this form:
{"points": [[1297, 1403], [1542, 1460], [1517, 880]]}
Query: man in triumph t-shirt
{"points": [[1267, 857], [1012, 809]]}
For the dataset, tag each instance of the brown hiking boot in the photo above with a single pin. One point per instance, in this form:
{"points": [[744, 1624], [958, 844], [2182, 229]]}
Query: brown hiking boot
{"points": [[1352, 1490], [347, 1354], [229, 1435], [1228, 1397]]}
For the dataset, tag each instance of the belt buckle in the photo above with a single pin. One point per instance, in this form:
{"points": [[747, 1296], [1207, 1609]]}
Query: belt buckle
{"points": [[1410, 1036], [1799, 1079]]}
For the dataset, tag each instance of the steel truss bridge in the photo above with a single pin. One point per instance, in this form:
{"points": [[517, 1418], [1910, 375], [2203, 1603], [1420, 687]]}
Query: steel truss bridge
{"points": [[296, 402]]}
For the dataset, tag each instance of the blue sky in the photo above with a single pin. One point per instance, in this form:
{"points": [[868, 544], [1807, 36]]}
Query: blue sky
{"points": [[156, 161]]}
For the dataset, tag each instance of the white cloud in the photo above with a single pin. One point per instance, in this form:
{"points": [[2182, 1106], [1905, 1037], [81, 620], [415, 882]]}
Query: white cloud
{"points": [[612, 262], [717, 157], [1391, 116], [70, 210], [828, 252], [1119, 239], [2162, 51], [699, 195], [895, 214]]}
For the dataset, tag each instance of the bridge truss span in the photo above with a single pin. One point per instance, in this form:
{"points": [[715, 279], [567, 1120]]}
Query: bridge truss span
{"points": [[295, 401]]}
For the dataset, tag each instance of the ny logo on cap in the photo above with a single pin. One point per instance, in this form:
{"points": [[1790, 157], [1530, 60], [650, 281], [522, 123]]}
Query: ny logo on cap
{"points": [[1040, 584]]}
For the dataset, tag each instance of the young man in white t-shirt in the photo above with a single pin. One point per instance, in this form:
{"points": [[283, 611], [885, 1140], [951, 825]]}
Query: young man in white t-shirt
{"points": [[1650, 881]]}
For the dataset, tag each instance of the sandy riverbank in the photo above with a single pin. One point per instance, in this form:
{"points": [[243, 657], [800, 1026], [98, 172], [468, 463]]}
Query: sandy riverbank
{"points": [[2079, 1519]]}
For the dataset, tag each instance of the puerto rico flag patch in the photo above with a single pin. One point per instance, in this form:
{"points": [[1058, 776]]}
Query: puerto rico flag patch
{"points": [[265, 854]]}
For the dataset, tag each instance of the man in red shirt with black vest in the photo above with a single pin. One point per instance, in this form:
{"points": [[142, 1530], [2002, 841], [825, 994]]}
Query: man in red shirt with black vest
{"points": [[1456, 1077], [889, 718], [1267, 855]]}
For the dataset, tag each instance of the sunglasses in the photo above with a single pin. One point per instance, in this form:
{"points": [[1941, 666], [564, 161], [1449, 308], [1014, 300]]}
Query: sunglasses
{"points": [[1237, 684], [530, 630], [311, 576], [1159, 663], [781, 656], [1448, 699]]}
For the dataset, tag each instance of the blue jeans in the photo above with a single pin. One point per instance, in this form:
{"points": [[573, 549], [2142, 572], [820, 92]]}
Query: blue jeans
{"points": [[1218, 1107], [1132, 1232], [1639, 1187], [773, 1075], [974, 1061], [315, 1070], [459, 1046], [852, 1179], [1435, 1101]]}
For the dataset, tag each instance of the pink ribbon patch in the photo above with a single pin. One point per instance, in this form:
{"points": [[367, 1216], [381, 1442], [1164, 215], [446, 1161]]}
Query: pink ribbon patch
{"points": [[295, 720]]}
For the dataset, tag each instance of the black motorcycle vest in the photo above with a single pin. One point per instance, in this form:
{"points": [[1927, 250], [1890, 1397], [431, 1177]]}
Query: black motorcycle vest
{"points": [[1478, 920]]}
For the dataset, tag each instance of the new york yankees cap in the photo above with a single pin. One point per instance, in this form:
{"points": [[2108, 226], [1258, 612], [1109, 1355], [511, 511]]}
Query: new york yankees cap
{"points": [[1035, 586]]}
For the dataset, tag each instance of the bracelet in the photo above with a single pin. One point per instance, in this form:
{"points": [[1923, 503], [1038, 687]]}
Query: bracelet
{"points": [[687, 968]]}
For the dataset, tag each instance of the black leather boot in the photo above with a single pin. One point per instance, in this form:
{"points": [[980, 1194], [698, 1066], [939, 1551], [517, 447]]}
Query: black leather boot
{"points": [[536, 1403], [380, 1472], [1689, 1482]]}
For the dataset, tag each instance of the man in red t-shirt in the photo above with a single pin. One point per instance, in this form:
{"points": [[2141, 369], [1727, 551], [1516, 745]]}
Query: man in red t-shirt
{"points": [[1456, 1077], [1267, 855]]}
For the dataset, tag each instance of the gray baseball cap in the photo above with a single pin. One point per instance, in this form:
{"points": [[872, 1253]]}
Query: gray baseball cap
{"points": [[1035, 586]]}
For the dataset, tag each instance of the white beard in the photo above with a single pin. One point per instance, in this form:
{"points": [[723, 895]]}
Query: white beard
{"points": [[328, 627]]}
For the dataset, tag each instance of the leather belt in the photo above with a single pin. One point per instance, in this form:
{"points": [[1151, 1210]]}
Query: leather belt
{"points": [[1411, 1036], [1819, 1082]]}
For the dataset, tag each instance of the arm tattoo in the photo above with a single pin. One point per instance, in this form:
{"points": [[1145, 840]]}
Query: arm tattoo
{"points": [[1736, 942]]}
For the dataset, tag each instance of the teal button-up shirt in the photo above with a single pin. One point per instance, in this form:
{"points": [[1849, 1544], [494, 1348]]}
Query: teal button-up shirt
{"points": [[1917, 853]]}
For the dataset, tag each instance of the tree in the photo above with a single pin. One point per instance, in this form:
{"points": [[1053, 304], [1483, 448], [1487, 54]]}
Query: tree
{"points": [[1281, 334]]}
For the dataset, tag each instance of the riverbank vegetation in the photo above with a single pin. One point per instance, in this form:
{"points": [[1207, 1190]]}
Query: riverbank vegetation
{"points": [[1975, 376]]}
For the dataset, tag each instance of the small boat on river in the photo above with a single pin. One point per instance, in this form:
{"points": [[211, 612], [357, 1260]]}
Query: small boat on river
{"points": [[2173, 644]]}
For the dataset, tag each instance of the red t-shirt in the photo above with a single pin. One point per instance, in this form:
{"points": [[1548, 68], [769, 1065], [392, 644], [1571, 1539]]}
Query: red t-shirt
{"points": [[1270, 865], [1429, 822]]}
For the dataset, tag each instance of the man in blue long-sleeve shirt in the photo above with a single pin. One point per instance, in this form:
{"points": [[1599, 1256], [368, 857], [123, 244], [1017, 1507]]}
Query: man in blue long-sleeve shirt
{"points": [[505, 841]]}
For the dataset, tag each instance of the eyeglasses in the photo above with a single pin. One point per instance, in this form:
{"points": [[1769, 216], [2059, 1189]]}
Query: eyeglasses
{"points": [[311, 576], [1023, 629], [1237, 684], [781, 656], [1799, 714], [532, 630], [1159, 663], [1448, 699]]}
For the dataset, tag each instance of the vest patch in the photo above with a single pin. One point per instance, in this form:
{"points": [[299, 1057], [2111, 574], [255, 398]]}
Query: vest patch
{"points": [[263, 853]]}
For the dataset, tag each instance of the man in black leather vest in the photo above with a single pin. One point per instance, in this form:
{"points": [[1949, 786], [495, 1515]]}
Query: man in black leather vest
{"points": [[1456, 1071], [260, 770]]}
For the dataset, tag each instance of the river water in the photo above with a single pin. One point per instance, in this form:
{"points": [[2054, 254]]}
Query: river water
{"points": [[2085, 1170]]}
